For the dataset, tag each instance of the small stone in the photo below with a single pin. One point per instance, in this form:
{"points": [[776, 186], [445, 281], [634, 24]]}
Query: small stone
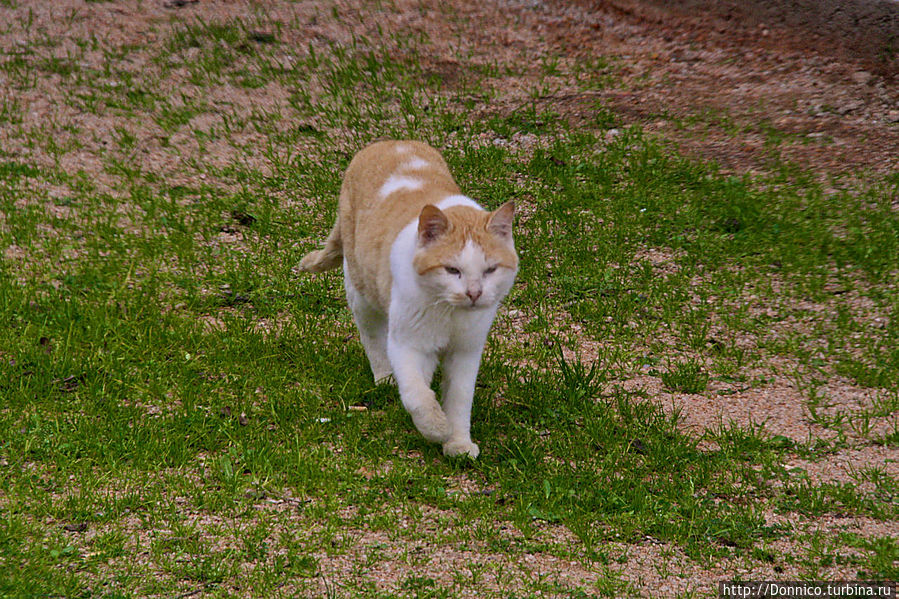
{"points": [[893, 116], [850, 106], [861, 77]]}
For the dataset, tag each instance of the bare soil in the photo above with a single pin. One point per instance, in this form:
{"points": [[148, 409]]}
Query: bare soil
{"points": [[855, 29], [727, 81]]}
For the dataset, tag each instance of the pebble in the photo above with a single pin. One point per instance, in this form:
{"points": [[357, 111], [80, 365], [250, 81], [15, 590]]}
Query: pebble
{"points": [[893, 116], [861, 77], [850, 106]]}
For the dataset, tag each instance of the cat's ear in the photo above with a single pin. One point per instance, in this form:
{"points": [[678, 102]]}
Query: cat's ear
{"points": [[500, 223], [432, 223]]}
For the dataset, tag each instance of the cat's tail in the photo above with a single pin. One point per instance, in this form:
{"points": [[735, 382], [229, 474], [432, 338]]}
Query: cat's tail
{"points": [[330, 256]]}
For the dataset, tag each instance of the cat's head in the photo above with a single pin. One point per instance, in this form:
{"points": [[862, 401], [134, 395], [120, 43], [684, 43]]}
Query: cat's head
{"points": [[466, 257]]}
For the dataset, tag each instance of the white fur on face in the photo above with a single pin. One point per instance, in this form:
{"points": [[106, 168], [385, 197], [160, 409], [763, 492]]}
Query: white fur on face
{"points": [[395, 183], [475, 285]]}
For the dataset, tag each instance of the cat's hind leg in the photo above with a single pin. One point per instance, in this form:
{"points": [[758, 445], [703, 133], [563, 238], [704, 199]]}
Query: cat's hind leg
{"points": [[330, 256], [372, 325], [413, 371]]}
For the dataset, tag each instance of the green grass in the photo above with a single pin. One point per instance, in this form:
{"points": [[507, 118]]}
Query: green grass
{"points": [[183, 412], [687, 377]]}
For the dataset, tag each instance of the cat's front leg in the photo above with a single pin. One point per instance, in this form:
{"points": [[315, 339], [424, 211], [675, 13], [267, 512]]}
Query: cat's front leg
{"points": [[413, 371], [460, 370]]}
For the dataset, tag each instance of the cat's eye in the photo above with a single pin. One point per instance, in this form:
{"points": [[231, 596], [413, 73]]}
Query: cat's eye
{"points": [[453, 271], [490, 270]]}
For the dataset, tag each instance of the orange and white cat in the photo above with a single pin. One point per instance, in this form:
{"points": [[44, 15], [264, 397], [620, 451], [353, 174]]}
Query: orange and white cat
{"points": [[425, 269]]}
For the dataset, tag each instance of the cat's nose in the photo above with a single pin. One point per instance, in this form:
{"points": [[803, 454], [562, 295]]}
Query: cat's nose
{"points": [[473, 294]]}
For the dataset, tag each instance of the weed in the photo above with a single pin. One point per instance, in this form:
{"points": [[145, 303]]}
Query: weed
{"points": [[685, 377]]}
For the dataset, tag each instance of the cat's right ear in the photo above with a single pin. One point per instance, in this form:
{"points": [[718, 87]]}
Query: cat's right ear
{"points": [[501, 221], [432, 223]]}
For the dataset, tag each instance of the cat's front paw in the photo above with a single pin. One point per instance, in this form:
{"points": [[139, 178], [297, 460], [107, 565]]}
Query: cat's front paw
{"points": [[431, 422], [454, 448]]}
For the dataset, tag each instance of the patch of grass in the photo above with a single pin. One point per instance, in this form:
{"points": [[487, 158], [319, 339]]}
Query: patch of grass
{"points": [[685, 377], [10, 111], [11, 172], [174, 116], [526, 119], [64, 67], [881, 560], [18, 69]]}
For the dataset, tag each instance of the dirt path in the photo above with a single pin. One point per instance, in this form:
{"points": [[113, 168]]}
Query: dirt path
{"points": [[725, 84]]}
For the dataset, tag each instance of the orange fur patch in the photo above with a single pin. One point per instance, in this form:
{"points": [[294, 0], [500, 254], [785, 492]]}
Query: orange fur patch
{"points": [[465, 223]]}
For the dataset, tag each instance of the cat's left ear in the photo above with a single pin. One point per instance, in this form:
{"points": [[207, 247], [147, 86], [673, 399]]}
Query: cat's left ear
{"points": [[500, 223]]}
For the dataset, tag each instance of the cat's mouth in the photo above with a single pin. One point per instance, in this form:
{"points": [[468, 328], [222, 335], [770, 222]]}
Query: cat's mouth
{"points": [[466, 304]]}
